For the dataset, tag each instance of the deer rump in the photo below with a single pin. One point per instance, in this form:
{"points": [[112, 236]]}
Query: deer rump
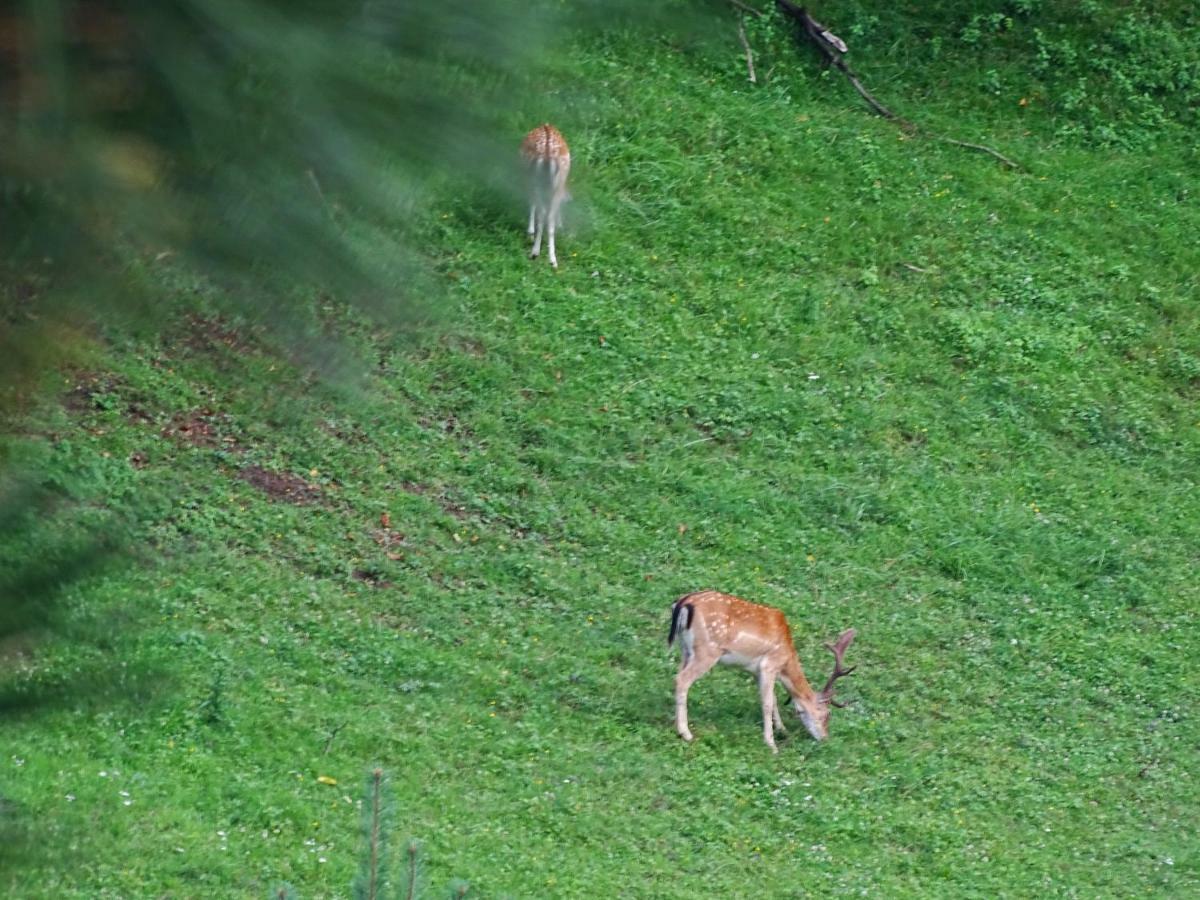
{"points": [[543, 179]]}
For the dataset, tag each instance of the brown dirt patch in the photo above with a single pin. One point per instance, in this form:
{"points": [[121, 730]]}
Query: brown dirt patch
{"points": [[88, 390], [137, 414], [202, 428], [465, 344], [370, 578], [349, 434], [387, 539], [283, 487], [450, 425], [453, 508], [207, 332]]}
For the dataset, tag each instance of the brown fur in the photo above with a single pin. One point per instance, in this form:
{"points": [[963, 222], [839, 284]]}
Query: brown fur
{"points": [[723, 628], [548, 163], [543, 143]]}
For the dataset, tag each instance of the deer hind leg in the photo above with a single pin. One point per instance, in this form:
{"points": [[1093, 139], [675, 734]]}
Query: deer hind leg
{"points": [[539, 217], [532, 219], [553, 215], [560, 186], [693, 668], [560, 169]]}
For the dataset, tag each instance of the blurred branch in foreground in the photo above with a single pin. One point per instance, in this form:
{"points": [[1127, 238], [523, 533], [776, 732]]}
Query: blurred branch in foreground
{"points": [[263, 153], [278, 145]]}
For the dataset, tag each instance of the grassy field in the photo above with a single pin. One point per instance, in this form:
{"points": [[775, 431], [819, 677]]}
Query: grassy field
{"points": [[792, 353]]}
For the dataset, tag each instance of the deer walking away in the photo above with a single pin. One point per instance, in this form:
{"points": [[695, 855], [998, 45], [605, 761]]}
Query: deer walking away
{"points": [[548, 163], [719, 628]]}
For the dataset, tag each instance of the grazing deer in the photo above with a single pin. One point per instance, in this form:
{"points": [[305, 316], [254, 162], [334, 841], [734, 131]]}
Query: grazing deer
{"points": [[715, 627], [548, 162]]}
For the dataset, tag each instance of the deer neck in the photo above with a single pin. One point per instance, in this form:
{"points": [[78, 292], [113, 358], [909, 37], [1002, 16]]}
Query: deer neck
{"points": [[792, 676]]}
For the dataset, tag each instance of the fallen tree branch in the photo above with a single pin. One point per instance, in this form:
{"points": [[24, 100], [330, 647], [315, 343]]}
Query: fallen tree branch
{"points": [[875, 104], [746, 47], [832, 48]]}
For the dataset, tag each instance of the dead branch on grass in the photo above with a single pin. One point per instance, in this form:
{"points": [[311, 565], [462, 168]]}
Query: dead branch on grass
{"points": [[746, 46], [832, 48]]}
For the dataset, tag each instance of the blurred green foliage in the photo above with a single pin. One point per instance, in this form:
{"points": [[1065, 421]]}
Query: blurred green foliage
{"points": [[255, 155], [237, 143]]}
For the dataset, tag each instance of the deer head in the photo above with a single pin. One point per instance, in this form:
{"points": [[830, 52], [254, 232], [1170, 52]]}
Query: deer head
{"points": [[815, 714]]}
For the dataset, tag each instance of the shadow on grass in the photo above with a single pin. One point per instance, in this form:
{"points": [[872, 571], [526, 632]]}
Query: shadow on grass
{"points": [[47, 548]]}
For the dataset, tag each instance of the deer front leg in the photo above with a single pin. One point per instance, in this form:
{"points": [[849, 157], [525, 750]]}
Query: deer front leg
{"points": [[766, 692], [532, 219]]}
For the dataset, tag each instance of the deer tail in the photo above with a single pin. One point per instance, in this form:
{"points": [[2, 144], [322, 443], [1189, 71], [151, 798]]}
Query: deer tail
{"points": [[680, 606]]}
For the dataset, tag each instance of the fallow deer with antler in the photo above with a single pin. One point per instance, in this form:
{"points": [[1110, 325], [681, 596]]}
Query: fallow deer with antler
{"points": [[719, 628], [548, 162]]}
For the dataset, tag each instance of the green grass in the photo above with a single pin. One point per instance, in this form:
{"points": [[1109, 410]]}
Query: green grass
{"points": [[988, 468]]}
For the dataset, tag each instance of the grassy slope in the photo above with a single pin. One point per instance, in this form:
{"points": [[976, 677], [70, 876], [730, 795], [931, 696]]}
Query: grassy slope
{"points": [[732, 381]]}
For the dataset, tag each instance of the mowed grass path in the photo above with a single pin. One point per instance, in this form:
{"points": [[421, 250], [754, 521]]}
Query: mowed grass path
{"points": [[734, 380]]}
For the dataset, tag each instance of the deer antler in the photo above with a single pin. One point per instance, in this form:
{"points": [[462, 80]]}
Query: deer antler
{"points": [[838, 649]]}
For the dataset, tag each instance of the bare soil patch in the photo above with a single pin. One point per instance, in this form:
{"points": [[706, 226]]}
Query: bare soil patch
{"points": [[281, 486], [370, 578], [88, 389], [208, 332], [202, 428]]}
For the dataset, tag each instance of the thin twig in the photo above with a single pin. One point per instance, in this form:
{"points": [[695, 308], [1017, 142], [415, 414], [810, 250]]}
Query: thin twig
{"points": [[982, 148], [412, 871], [746, 9], [746, 47], [312, 175], [332, 735], [913, 268], [376, 819]]}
